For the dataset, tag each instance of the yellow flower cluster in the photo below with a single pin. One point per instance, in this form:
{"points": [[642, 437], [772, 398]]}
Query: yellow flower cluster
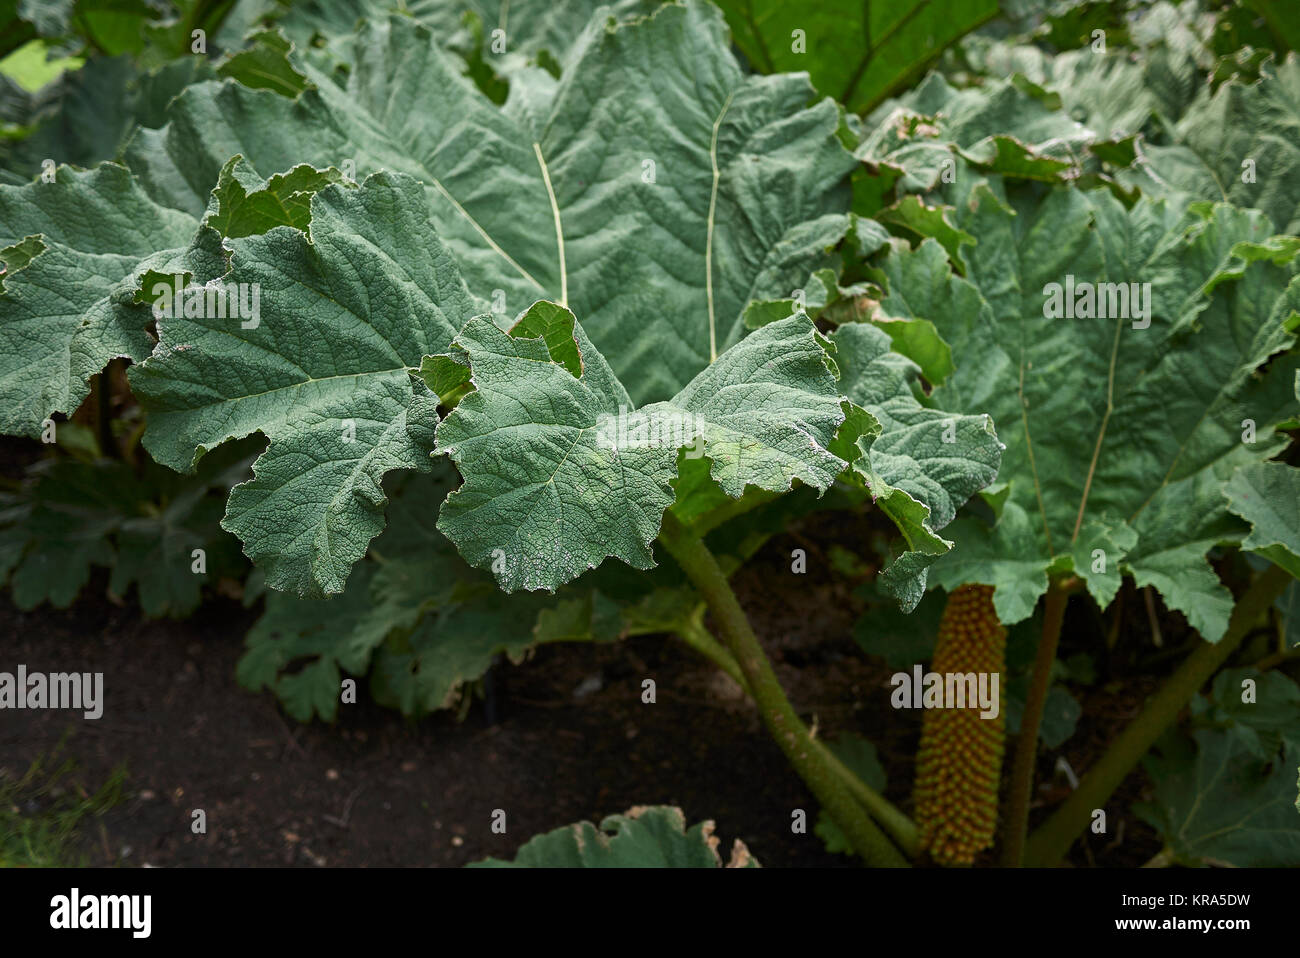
{"points": [[960, 761]]}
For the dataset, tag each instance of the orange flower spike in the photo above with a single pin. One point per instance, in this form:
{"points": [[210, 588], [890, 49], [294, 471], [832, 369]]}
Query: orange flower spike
{"points": [[959, 764]]}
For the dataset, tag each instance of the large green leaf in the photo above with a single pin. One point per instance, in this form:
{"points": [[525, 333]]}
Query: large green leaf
{"points": [[652, 836], [1008, 126], [1221, 805], [61, 318], [1119, 435], [1267, 495], [1233, 141], [857, 52], [246, 204], [901, 639], [1226, 796], [143, 525], [655, 214], [1143, 79], [529, 29], [925, 153], [920, 464], [301, 648], [82, 255], [1240, 143], [86, 115], [422, 623], [264, 65], [347, 310], [916, 290], [562, 470], [414, 611], [1266, 717]]}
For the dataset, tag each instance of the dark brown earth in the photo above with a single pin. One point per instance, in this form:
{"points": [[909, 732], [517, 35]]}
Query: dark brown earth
{"points": [[375, 789]]}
